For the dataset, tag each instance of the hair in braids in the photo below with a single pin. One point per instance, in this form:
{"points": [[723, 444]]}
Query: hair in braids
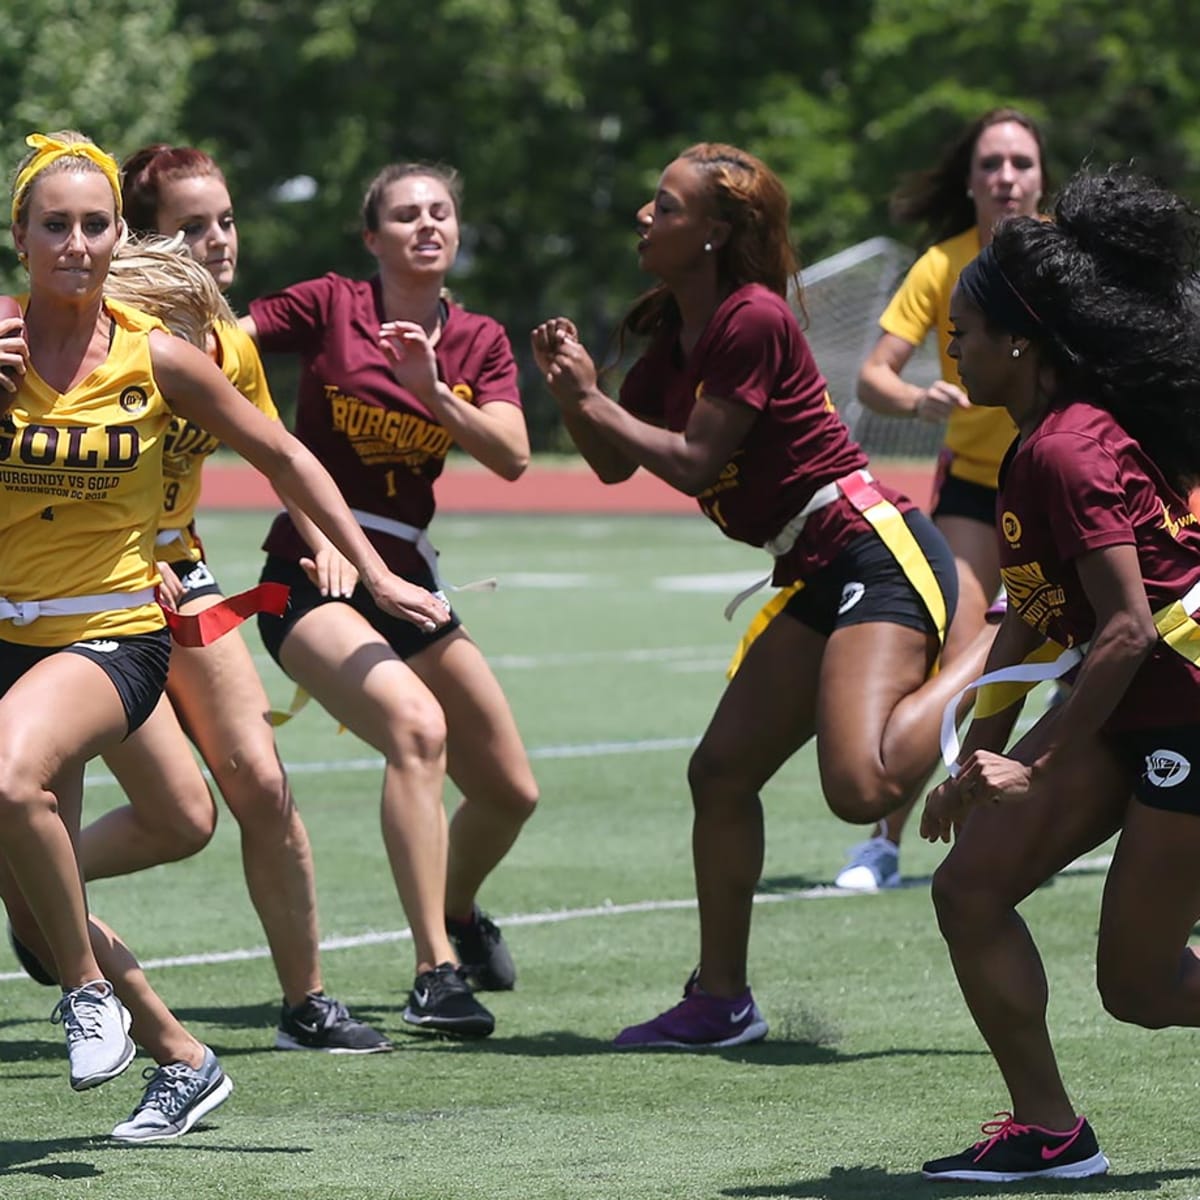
{"points": [[1112, 283], [751, 198]]}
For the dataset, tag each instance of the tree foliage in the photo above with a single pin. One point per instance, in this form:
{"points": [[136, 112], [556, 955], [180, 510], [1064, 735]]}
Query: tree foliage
{"points": [[561, 113]]}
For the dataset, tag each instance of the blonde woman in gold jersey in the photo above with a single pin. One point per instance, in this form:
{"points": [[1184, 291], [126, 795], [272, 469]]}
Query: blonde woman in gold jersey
{"points": [[81, 449]]}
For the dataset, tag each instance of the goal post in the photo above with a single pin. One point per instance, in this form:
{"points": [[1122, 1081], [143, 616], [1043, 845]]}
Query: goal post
{"points": [[844, 297]]}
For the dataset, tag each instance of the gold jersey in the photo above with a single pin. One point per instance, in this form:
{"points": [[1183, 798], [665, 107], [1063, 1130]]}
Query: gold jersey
{"points": [[188, 445], [80, 491], [978, 438]]}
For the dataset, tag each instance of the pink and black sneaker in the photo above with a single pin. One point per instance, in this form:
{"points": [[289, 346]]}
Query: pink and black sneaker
{"points": [[1011, 1151], [699, 1022]]}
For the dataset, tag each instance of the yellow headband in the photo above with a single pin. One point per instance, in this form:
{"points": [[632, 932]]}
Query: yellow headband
{"points": [[49, 150]]}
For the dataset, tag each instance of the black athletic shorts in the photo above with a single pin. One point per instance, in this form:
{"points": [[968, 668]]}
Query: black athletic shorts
{"points": [[1165, 765], [865, 583], [196, 578], [404, 638], [136, 665], [960, 498]]}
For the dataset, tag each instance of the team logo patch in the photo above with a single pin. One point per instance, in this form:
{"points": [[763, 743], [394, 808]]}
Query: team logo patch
{"points": [[463, 392], [852, 593], [1010, 526], [134, 400], [1166, 769]]}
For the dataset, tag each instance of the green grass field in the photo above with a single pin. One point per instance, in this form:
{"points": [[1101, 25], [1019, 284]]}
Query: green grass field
{"points": [[608, 637]]}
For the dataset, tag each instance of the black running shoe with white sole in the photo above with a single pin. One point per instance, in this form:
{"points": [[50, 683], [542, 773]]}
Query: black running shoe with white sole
{"points": [[1010, 1152], [481, 951], [441, 1001], [324, 1024]]}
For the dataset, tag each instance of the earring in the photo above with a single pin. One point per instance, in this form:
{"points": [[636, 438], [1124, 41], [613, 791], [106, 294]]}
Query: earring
{"points": [[708, 247], [1016, 352], [970, 193]]}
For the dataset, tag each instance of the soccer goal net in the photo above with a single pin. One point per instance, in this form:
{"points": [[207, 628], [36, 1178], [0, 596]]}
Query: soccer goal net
{"points": [[844, 296]]}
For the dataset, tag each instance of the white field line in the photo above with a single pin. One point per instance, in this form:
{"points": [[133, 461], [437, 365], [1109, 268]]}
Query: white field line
{"points": [[597, 911]]}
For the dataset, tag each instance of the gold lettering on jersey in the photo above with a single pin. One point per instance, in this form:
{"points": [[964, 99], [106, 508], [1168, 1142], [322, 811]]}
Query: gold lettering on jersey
{"points": [[75, 462], [381, 435], [1173, 526], [730, 477], [1035, 598]]}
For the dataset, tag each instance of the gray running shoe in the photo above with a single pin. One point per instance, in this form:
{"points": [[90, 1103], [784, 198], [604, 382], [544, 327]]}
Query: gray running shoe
{"points": [[873, 866], [176, 1097], [323, 1023], [97, 1027]]}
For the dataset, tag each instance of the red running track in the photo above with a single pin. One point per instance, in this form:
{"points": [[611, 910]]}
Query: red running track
{"points": [[539, 490]]}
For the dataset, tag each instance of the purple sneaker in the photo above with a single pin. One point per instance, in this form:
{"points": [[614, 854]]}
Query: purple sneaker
{"points": [[700, 1022]]}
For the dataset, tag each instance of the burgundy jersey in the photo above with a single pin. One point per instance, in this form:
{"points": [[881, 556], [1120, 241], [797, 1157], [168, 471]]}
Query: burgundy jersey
{"points": [[753, 352], [379, 442], [1079, 482]]}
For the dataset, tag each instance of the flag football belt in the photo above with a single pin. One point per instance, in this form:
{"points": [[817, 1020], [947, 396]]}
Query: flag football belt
{"points": [[1001, 689], [888, 523], [197, 629]]}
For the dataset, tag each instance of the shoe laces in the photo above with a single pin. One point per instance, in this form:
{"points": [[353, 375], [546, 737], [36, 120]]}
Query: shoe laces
{"points": [[81, 1014], [1003, 1125], [330, 1011], [872, 853], [170, 1088]]}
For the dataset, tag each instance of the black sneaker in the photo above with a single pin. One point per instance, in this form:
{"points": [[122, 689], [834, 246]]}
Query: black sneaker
{"points": [[30, 963], [1010, 1152], [442, 1002], [323, 1023], [485, 959]]}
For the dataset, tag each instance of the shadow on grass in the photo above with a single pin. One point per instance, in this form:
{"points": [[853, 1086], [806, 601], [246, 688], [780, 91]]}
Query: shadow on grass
{"points": [[776, 1052], [781, 885], [871, 1183], [29, 1157]]}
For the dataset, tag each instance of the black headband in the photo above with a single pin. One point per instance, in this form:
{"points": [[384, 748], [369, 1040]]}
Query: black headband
{"points": [[985, 284]]}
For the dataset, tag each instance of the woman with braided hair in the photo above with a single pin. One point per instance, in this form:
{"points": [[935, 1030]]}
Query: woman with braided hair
{"points": [[1082, 329]]}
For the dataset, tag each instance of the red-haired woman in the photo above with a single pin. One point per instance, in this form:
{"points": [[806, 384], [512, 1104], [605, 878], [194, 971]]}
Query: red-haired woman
{"points": [[727, 405]]}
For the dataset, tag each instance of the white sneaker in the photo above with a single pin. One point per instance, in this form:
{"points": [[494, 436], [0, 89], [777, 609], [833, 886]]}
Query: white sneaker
{"points": [[97, 1027], [872, 866], [176, 1097]]}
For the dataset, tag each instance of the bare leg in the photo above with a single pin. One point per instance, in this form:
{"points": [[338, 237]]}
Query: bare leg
{"points": [[1146, 971], [486, 759], [341, 661], [171, 814], [765, 715], [37, 750], [218, 694], [978, 562], [1002, 854]]}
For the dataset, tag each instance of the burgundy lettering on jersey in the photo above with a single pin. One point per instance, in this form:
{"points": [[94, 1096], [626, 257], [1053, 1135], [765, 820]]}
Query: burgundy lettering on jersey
{"points": [[379, 442], [753, 352], [1080, 483]]}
